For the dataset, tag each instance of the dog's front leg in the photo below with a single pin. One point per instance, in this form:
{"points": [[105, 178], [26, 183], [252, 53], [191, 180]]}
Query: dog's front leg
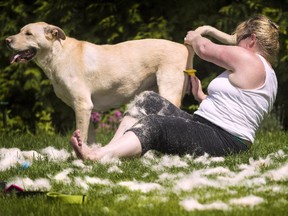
{"points": [[82, 114], [91, 133]]}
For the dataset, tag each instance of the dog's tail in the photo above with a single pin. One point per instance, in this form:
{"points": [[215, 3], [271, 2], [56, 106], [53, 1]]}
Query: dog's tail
{"points": [[191, 53], [189, 66]]}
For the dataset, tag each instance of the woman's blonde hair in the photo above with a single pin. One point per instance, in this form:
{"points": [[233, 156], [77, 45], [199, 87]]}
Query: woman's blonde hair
{"points": [[267, 34]]}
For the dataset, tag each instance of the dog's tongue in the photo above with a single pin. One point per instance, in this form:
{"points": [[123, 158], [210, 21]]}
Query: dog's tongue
{"points": [[14, 58]]}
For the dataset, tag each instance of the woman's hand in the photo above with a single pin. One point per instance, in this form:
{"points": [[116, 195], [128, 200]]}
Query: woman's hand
{"points": [[197, 91], [190, 37]]}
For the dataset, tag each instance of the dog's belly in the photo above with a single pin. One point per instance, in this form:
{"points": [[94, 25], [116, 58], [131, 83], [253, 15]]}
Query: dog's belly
{"points": [[104, 103], [121, 92], [116, 99]]}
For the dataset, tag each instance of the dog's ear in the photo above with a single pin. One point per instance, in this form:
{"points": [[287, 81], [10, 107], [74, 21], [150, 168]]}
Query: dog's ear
{"points": [[54, 32]]}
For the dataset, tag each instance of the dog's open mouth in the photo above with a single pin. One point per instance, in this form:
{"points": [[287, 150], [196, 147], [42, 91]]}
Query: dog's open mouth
{"points": [[23, 56]]}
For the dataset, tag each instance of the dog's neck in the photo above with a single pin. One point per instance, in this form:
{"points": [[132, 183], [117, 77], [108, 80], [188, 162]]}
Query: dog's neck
{"points": [[46, 59], [45, 64]]}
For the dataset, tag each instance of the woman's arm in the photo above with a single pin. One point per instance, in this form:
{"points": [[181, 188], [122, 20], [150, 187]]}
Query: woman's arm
{"points": [[245, 67], [209, 51], [217, 34]]}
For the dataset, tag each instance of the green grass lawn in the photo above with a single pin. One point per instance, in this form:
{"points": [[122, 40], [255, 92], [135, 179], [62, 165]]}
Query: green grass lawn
{"points": [[252, 183]]}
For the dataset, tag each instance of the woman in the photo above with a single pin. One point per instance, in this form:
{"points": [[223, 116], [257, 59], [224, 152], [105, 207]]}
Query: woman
{"points": [[227, 118]]}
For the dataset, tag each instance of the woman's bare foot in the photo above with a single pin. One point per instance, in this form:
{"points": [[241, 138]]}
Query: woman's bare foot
{"points": [[83, 151]]}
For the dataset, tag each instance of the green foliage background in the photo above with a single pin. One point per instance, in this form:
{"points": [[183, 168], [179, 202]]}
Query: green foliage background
{"points": [[32, 104]]}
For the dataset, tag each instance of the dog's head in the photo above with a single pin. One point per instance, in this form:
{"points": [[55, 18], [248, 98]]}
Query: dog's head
{"points": [[31, 39]]}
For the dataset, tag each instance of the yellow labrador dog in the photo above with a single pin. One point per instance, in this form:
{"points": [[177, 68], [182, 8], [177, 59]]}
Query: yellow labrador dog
{"points": [[91, 77]]}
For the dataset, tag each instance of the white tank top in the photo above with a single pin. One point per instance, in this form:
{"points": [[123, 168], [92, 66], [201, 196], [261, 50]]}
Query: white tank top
{"points": [[239, 111]]}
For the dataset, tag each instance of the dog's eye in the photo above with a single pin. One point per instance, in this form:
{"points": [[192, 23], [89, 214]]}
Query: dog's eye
{"points": [[28, 33]]}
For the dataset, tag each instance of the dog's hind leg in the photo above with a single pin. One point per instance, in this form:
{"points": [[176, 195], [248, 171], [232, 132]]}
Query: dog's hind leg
{"points": [[171, 85]]}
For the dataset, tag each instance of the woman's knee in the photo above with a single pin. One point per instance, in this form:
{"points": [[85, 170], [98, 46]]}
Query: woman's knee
{"points": [[148, 131], [144, 104]]}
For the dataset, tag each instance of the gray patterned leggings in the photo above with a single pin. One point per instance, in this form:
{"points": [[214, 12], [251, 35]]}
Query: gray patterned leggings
{"points": [[164, 127]]}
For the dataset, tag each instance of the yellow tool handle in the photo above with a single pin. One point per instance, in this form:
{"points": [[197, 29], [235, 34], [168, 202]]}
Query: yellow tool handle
{"points": [[66, 198], [190, 72]]}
